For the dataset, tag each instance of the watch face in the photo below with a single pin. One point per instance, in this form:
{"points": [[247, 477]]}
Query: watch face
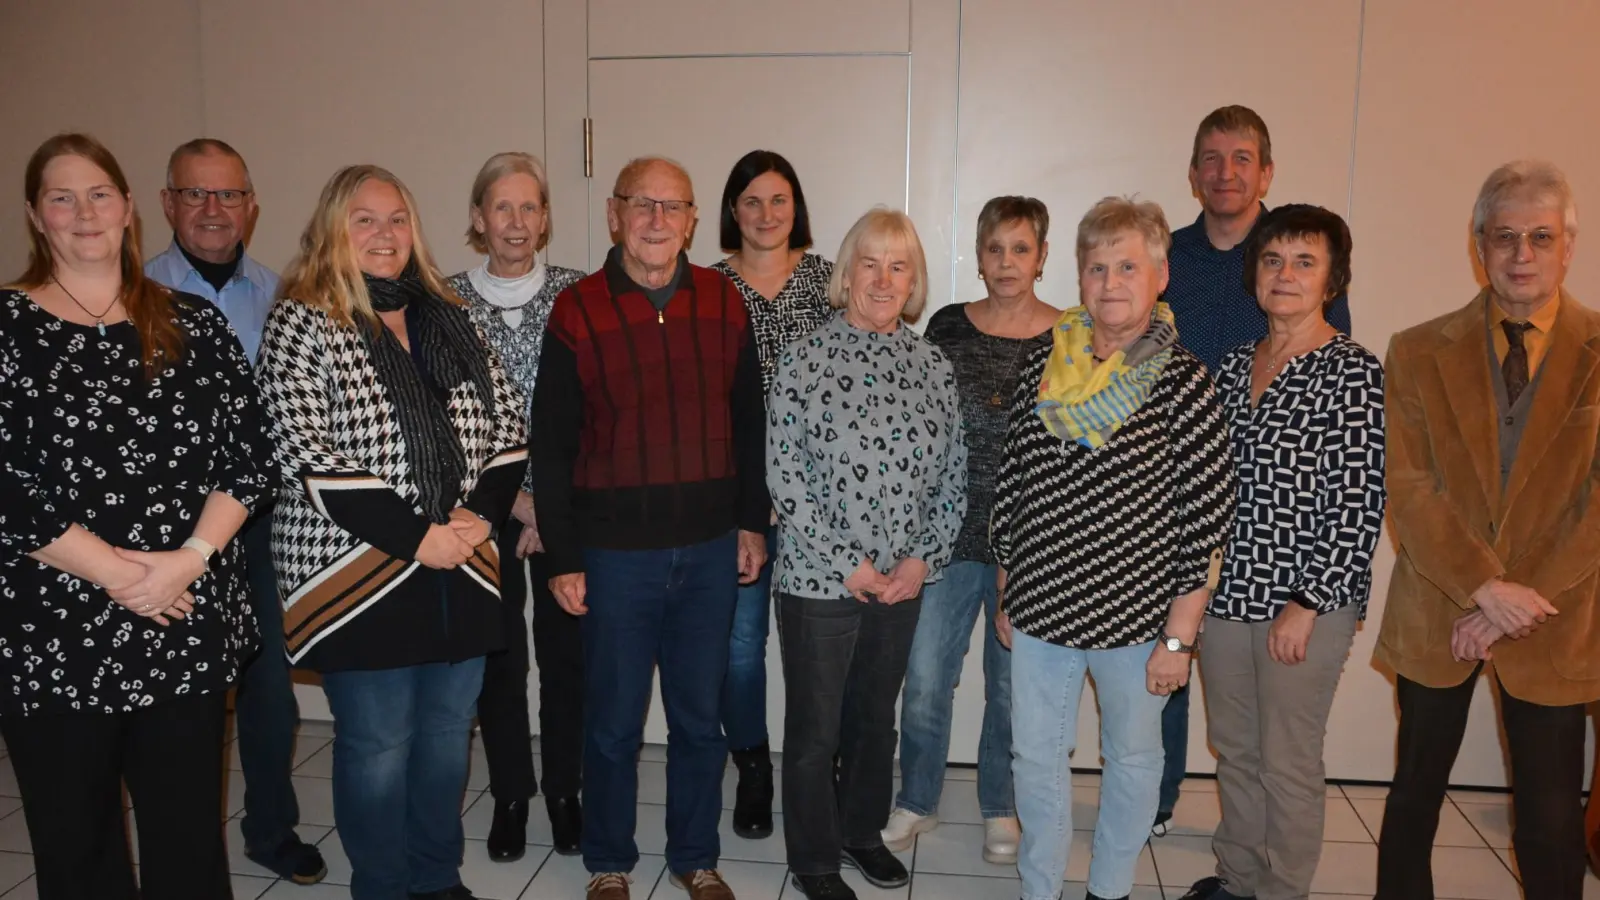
{"points": [[1174, 644]]}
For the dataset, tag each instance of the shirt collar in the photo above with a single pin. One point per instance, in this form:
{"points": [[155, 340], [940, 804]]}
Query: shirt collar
{"points": [[1542, 321], [248, 269]]}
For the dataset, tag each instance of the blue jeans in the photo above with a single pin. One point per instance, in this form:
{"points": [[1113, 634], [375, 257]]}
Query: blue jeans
{"points": [[399, 769], [1047, 681], [265, 711], [673, 607], [1175, 741], [744, 694], [944, 631]]}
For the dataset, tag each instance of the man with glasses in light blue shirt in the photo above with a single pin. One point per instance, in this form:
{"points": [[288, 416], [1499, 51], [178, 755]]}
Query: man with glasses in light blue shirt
{"points": [[211, 205]]}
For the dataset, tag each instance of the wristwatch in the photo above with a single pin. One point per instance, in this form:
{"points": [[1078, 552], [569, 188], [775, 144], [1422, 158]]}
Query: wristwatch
{"points": [[1173, 644], [203, 548]]}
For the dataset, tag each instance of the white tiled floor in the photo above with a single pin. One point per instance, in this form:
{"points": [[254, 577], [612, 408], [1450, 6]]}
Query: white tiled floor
{"points": [[1471, 859]]}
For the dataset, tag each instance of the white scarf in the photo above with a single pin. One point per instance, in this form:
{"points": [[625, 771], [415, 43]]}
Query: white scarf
{"points": [[509, 295]]}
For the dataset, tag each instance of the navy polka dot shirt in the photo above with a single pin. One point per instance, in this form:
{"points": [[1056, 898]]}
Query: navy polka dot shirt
{"points": [[1205, 289]]}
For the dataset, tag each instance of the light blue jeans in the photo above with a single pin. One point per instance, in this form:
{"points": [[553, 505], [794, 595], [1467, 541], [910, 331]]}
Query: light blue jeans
{"points": [[1047, 683], [944, 631]]}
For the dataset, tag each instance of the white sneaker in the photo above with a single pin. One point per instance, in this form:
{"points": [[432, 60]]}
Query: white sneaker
{"points": [[1000, 839], [903, 828]]}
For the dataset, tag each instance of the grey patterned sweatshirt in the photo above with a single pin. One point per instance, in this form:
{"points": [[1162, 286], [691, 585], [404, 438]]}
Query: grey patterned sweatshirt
{"points": [[865, 456]]}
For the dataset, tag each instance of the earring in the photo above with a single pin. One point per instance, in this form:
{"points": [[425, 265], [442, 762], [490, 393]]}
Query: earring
{"points": [[980, 276], [1039, 277]]}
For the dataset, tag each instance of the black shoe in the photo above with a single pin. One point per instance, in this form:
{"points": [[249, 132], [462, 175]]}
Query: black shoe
{"points": [[1093, 896], [459, 892], [508, 836], [1159, 829], [877, 865], [566, 823], [294, 860], [752, 805], [823, 887], [1213, 888]]}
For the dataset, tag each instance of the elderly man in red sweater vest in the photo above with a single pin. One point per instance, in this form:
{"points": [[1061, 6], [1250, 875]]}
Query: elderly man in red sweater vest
{"points": [[647, 452]]}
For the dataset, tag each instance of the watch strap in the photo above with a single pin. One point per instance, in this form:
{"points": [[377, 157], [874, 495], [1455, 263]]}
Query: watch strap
{"points": [[1165, 639], [204, 548]]}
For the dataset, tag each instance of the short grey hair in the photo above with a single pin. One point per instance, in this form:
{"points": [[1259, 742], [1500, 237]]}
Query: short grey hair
{"points": [[205, 147], [636, 167], [1115, 216], [497, 167], [1525, 179]]}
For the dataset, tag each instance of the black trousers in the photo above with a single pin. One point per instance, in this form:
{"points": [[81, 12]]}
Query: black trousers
{"points": [[503, 704], [1546, 777], [844, 663], [71, 767]]}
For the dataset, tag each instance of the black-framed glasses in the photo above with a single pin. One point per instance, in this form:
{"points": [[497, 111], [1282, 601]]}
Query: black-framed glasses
{"points": [[640, 205], [229, 197]]}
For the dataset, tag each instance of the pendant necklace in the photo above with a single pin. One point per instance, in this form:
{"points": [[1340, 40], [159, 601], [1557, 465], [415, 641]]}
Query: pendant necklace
{"points": [[995, 400], [99, 320]]}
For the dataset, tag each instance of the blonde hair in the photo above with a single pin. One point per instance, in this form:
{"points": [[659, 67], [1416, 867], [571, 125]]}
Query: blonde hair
{"points": [[497, 167], [881, 225], [325, 274], [1113, 217]]}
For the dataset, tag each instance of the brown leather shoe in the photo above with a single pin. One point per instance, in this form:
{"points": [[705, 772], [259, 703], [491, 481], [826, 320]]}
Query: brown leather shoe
{"points": [[703, 884], [608, 886]]}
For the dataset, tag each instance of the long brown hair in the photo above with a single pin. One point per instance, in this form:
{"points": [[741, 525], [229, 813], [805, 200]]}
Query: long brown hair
{"points": [[325, 274], [148, 304]]}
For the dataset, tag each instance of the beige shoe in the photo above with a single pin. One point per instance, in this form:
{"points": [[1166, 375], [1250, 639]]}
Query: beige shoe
{"points": [[608, 886], [1000, 839], [703, 884], [903, 828]]}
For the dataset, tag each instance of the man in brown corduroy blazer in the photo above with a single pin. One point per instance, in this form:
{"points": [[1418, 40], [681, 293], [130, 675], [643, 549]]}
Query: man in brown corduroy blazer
{"points": [[1494, 453]]}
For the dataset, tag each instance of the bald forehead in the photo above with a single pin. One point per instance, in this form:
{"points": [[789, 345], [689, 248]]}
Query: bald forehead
{"points": [[652, 176]]}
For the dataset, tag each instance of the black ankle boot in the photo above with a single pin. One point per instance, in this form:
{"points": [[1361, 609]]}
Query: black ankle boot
{"points": [[752, 805], [566, 823], [508, 836]]}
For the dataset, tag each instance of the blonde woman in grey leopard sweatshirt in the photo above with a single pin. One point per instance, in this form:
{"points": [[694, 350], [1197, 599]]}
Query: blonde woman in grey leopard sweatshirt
{"points": [[868, 474]]}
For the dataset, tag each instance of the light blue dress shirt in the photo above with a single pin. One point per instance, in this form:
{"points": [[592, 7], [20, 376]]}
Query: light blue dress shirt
{"points": [[244, 300]]}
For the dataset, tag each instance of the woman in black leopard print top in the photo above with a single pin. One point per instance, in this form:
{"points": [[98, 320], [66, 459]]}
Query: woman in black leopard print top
{"points": [[766, 228]]}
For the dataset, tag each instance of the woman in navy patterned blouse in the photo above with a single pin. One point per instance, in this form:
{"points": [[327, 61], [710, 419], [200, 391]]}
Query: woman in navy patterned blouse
{"points": [[1305, 407]]}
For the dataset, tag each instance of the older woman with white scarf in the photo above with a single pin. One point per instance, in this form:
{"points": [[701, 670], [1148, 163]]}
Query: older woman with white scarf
{"points": [[510, 296]]}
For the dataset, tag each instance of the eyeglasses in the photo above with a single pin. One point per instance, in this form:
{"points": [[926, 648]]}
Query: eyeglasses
{"points": [[194, 196], [1506, 240], [640, 205]]}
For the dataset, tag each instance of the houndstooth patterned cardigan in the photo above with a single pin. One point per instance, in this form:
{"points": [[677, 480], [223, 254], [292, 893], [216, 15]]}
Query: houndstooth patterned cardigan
{"points": [[347, 521]]}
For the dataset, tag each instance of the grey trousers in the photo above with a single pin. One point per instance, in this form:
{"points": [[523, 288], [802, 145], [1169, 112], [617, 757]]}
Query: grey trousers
{"points": [[1267, 722]]}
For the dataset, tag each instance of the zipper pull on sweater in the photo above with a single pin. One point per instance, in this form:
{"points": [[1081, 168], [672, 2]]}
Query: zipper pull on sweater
{"points": [[661, 316]]}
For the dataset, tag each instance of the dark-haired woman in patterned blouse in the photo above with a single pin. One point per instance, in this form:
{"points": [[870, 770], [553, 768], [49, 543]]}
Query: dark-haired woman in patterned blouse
{"points": [[131, 451], [767, 229], [1305, 408]]}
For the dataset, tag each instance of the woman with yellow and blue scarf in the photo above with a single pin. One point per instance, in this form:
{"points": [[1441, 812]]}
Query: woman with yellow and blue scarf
{"points": [[1114, 497]]}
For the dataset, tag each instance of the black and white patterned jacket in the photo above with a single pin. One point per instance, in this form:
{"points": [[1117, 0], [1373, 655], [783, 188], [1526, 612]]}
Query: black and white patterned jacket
{"points": [[1310, 458], [1097, 544], [348, 524]]}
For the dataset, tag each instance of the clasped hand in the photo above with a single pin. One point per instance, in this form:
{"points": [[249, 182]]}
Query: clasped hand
{"points": [[158, 583], [903, 582], [451, 544]]}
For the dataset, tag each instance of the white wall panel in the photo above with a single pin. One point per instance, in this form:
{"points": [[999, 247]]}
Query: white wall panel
{"points": [[715, 27]]}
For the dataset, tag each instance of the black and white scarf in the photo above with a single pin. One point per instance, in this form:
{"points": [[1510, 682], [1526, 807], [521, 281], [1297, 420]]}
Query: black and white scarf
{"points": [[451, 354]]}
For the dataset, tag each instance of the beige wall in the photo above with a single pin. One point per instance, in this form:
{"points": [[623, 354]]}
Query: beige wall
{"points": [[1389, 111]]}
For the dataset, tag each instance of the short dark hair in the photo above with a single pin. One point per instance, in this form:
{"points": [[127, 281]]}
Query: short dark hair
{"points": [[750, 167], [1241, 120], [1302, 220]]}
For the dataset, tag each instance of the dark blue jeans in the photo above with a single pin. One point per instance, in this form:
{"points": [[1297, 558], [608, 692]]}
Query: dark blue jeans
{"points": [[1175, 742], [674, 608], [744, 695], [399, 770], [265, 712]]}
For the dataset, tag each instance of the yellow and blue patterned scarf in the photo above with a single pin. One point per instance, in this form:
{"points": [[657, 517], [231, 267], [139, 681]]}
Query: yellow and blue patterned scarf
{"points": [[1087, 401]]}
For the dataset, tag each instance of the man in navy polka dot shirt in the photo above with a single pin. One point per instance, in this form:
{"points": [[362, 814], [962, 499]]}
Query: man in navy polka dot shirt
{"points": [[1230, 171]]}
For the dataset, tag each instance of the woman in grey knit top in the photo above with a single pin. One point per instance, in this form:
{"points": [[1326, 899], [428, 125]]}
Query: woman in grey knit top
{"points": [[510, 296], [868, 470]]}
